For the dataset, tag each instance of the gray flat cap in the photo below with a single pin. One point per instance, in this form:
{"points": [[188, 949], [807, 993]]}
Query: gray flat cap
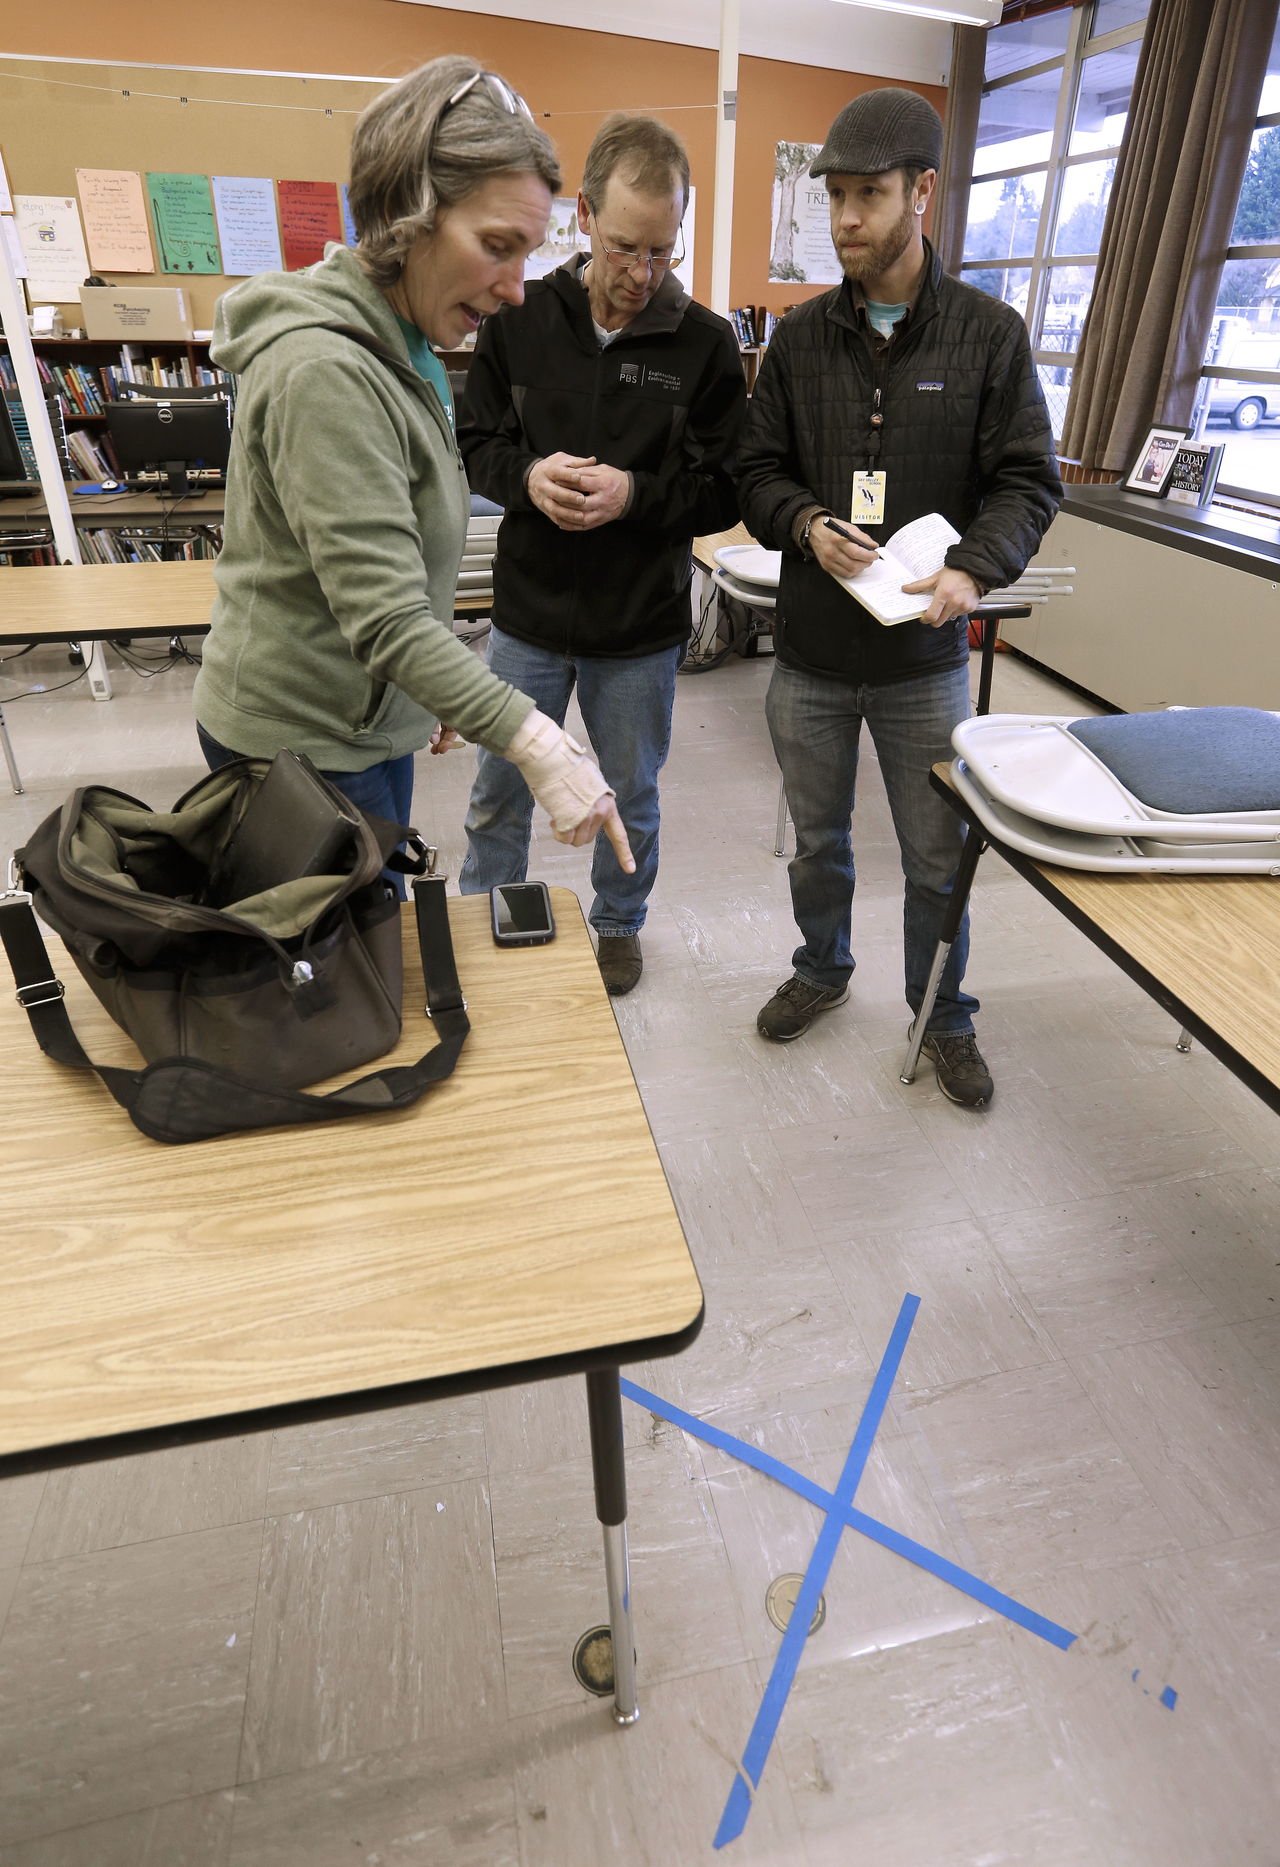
{"points": [[885, 129]]}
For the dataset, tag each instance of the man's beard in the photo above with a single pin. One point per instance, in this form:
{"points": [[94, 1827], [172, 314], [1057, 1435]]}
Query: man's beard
{"points": [[876, 256]]}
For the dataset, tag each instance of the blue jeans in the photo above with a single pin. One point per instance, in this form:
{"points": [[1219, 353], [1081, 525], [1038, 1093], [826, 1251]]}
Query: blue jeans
{"points": [[385, 789], [815, 725], [626, 708]]}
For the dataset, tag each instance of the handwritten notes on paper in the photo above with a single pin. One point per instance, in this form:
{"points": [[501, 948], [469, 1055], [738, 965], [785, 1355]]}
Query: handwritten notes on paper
{"points": [[246, 210], [115, 220], [49, 230], [182, 209], [308, 219]]}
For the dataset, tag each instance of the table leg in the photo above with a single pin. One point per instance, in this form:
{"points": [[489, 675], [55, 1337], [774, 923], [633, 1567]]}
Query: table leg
{"points": [[966, 869], [14, 775], [604, 1410]]}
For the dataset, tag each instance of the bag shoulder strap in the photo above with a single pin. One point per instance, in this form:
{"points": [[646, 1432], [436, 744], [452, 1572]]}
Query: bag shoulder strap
{"points": [[184, 1099]]}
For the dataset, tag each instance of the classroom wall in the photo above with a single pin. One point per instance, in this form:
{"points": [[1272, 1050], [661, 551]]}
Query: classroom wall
{"points": [[571, 77]]}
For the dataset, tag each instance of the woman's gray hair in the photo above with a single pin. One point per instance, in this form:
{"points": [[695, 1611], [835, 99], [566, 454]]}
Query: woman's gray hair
{"points": [[411, 155]]}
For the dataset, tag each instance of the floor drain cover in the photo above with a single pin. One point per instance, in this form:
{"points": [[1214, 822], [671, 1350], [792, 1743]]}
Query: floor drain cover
{"points": [[593, 1661], [780, 1600]]}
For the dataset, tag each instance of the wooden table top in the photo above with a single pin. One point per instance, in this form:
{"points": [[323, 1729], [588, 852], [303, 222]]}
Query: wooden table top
{"points": [[69, 600], [1211, 941], [519, 1212]]}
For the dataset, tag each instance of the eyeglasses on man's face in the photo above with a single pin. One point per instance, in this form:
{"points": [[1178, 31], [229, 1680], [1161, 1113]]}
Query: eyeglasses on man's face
{"points": [[628, 258]]}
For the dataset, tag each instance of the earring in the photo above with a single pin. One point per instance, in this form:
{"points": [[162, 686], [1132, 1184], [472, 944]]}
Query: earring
{"points": [[919, 207]]}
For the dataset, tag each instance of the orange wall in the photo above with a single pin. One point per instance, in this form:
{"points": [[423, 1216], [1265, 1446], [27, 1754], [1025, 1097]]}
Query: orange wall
{"points": [[572, 76]]}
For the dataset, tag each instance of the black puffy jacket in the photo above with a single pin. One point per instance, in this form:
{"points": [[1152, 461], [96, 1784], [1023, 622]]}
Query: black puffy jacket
{"points": [[965, 433], [663, 402]]}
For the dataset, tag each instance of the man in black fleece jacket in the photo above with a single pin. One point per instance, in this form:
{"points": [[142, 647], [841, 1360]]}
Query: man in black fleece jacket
{"points": [[603, 414], [904, 387]]}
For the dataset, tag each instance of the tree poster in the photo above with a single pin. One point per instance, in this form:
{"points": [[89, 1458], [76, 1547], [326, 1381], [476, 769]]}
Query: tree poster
{"points": [[800, 248]]}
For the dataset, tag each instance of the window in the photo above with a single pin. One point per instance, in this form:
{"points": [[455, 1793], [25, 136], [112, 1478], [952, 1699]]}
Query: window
{"points": [[1055, 99], [1239, 399]]}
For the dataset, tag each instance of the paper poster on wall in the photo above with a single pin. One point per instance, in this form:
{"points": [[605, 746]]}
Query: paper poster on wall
{"points": [[57, 263], [349, 234], [182, 209], [565, 237], [6, 199], [800, 249], [246, 209], [309, 219], [115, 220], [17, 258]]}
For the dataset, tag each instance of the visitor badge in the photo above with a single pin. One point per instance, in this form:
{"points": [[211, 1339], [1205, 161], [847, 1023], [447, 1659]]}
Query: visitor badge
{"points": [[868, 498]]}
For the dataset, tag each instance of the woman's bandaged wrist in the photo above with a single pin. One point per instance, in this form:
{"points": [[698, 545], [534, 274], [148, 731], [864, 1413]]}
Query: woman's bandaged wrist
{"points": [[564, 778]]}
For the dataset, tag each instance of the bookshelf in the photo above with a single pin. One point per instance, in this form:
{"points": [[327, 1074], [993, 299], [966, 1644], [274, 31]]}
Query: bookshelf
{"points": [[85, 372]]}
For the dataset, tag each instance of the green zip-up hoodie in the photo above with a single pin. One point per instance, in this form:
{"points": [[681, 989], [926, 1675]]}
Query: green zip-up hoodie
{"points": [[346, 513]]}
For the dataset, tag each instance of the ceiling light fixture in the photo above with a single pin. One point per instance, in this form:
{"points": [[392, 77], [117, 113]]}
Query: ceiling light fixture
{"points": [[953, 12]]}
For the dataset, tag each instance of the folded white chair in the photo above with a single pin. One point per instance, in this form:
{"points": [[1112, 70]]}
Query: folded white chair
{"points": [[1187, 790]]}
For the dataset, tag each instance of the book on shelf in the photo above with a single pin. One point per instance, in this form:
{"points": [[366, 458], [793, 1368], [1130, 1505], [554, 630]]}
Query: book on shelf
{"points": [[1194, 473], [916, 550]]}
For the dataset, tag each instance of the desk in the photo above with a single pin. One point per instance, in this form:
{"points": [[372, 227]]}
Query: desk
{"points": [[515, 1226], [1206, 948], [115, 511]]}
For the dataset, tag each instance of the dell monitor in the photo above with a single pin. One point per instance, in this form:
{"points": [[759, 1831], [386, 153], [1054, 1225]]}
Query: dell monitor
{"points": [[167, 438]]}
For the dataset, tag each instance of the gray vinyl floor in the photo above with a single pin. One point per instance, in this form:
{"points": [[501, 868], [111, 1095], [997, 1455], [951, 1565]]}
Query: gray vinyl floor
{"points": [[352, 1643]]}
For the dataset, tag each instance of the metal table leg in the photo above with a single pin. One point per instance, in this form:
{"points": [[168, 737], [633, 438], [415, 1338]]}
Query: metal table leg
{"points": [[14, 776], [780, 837], [966, 869], [604, 1410]]}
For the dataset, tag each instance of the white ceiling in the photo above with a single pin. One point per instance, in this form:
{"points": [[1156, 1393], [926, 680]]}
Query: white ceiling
{"points": [[827, 33]]}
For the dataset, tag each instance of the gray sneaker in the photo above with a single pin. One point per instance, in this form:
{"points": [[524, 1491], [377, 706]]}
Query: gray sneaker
{"points": [[794, 1006], [962, 1072]]}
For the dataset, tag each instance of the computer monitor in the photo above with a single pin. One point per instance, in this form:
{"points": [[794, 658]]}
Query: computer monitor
{"points": [[175, 437]]}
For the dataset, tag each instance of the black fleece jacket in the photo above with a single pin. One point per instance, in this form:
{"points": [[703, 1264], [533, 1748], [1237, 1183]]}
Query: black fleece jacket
{"points": [[663, 402], [965, 433]]}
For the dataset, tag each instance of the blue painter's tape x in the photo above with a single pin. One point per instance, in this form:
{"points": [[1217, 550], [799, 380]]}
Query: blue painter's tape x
{"points": [[840, 1514]]}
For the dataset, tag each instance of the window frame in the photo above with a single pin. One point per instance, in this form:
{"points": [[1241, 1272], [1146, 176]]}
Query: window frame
{"points": [[1225, 372], [1042, 261]]}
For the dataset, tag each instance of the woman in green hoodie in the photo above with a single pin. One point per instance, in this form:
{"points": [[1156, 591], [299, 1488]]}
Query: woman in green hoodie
{"points": [[347, 504]]}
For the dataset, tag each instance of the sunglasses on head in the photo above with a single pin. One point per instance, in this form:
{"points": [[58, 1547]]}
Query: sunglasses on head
{"points": [[510, 100]]}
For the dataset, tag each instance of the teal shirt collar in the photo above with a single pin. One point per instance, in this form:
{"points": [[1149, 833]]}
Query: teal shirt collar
{"points": [[428, 366]]}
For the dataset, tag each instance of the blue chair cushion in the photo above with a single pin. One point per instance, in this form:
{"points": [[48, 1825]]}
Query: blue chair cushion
{"points": [[1201, 759]]}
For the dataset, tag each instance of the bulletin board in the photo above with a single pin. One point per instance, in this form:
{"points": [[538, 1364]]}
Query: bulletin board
{"points": [[56, 118]]}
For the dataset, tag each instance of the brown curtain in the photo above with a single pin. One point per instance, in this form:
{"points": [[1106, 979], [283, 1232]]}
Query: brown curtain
{"points": [[959, 141], [1173, 201]]}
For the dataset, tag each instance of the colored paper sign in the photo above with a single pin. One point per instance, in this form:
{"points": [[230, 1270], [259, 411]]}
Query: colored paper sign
{"points": [[246, 210], [182, 209], [57, 264], [349, 233], [115, 220], [308, 220], [800, 248]]}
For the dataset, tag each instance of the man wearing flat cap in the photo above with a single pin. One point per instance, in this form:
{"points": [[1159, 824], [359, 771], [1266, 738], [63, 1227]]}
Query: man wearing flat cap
{"points": [[897, 394]]}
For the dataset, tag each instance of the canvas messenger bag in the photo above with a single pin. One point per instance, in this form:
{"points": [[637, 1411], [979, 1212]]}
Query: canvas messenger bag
{"points": [[246, 940]]}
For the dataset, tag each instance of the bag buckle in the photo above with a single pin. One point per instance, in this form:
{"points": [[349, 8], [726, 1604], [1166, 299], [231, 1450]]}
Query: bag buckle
{"points": [[13, 889], [53, 990]]}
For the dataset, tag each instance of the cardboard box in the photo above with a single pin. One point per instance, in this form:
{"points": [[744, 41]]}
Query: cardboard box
{"points": [[135, 314]]}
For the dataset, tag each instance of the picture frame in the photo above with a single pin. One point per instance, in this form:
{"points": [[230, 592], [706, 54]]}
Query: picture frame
{"points": [[1194, 473], [1150, 472]]}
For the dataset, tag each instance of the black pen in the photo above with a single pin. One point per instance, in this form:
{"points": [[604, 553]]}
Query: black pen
{"points": [[842, 531]]}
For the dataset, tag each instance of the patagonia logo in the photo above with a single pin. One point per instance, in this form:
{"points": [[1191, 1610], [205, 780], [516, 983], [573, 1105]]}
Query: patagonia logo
{"points": [[936, 387], [629, 373]]}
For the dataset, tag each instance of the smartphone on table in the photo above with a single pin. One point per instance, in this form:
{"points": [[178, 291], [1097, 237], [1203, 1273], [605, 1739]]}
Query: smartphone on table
{"points": [[521, 914]]}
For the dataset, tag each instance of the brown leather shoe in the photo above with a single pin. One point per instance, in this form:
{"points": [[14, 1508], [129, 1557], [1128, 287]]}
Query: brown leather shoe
{"points": [[620, 963]]}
